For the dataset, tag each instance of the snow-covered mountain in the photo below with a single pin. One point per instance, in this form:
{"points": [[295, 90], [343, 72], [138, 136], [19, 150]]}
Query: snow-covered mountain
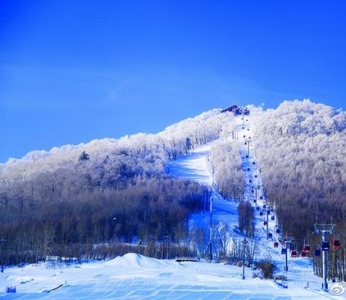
{"points": [[134, 276], [144, 188]]}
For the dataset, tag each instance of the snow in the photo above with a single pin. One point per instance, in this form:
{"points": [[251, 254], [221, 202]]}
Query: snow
{"points": [[193, 166], [134, 276]]}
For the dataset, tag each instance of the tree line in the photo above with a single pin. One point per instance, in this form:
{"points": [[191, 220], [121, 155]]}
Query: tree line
{"points": [[150, 209]]}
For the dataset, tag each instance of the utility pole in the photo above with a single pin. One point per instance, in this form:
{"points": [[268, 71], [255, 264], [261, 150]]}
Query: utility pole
{"points": [[324, 230], [268, 212], [211, 229], [2, 241], [244, 256]]}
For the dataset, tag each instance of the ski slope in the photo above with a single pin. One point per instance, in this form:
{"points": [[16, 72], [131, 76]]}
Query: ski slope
{"points": [[195, 167]]}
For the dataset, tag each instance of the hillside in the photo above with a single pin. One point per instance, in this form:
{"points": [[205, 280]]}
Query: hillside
{"points": [[64, 201]]}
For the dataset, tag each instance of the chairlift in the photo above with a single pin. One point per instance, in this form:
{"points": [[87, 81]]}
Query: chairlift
{"points": [[306, 248], [294, 253], [283, 251], [336, 244], [325, 246], [303, 253], [317, 252], [261, 213], [273, 218], [270, 235], [276, 244], [265, 223], [278, 230]]}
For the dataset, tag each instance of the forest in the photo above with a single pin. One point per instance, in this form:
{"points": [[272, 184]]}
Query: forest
{"points": [[73, 200], [301, 151], [76, 199], [301, 148]]}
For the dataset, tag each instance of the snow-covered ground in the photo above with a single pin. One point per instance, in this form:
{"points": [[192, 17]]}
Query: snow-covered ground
{"points": [[133, 276], [136, 277]]}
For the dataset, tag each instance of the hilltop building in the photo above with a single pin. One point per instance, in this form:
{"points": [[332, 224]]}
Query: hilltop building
{"points": [[237, 110]]}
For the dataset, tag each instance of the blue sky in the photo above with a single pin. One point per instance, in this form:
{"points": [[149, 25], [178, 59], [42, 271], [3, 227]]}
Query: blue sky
{"points": [[73, 71]]}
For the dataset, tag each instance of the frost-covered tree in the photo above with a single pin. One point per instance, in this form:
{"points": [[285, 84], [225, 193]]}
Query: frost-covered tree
{"points": [[301, 151], [246, 218]]}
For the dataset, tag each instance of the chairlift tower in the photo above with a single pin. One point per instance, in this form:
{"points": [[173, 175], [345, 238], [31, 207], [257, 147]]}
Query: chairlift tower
{"points": [[268, 212], [324, 230], [288, 241], [248, 147]]}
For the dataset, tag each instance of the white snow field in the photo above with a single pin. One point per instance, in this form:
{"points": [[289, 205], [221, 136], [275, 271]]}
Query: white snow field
{"points": [[133, 276], [136, 277]]}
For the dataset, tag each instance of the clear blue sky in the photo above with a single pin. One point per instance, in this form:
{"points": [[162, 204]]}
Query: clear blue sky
{"points": [[72, 70]]}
